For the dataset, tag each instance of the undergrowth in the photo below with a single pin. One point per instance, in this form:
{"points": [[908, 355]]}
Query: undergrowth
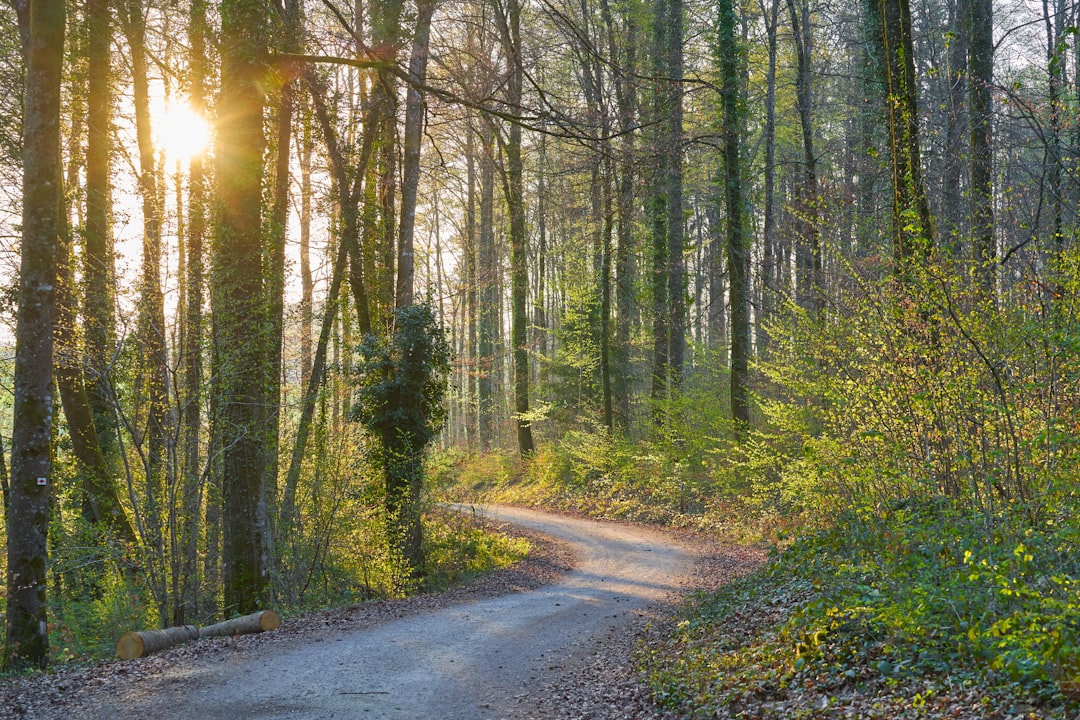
{"points": [[918, 601], [85, 626]]}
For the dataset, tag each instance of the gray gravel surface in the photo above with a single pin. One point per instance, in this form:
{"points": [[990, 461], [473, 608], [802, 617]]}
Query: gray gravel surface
{"points": [[508, 656]]}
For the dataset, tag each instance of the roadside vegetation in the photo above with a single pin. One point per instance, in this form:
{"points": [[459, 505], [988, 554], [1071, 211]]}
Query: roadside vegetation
{"points": [[913, 471]]}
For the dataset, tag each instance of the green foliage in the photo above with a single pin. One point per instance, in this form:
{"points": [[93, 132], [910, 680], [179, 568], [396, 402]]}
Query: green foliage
{"points": [[924, 593], [458, 550], [402, 380], [401, 383]]}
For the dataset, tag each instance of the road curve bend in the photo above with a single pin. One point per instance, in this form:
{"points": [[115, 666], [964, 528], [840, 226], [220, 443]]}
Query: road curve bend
{"points": [[481, 660]]}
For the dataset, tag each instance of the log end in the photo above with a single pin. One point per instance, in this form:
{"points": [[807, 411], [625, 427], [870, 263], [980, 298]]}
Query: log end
{"points": [[130, 646], [269, 620]]}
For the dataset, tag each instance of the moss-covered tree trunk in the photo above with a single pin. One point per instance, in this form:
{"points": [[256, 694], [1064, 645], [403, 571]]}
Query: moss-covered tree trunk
{"points": [[239, 307], [42, 25]]}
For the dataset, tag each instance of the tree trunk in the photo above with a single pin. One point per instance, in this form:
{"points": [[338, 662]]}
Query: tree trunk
{"points": [[626, 102], [489, 325], [307, 286], [514, 189], [768, 233], [738, 243], [657, 209], [414, 126], [98, 279], [191, 351], [808, 252], [676, 269], [31, 467], [239, 305], [275, 261], [980, 19], [913, 232]]}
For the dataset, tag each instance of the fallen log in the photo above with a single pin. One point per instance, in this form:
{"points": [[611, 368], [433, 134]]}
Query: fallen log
{"points": [[133, 645], [139, 644], [254, 623]]}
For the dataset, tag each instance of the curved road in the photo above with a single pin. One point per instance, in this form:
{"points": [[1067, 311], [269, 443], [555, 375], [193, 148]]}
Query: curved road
{"points": [[467, 662]]}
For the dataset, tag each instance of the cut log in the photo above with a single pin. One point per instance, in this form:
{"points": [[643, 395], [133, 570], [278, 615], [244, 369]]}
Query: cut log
{"points": [[254, 623], [133, 645], [139, 644]]}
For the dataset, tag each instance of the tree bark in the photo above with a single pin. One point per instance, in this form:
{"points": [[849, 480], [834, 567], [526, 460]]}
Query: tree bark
{"points": [[97, 257], [676, 265], [913, 231], [738, 243], [808, 253], [414, 126], [31, 467], [980, 19], [509, 21], [238, 302]]}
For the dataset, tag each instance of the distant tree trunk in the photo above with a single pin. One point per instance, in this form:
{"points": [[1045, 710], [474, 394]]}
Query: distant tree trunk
{"points": [[980, 16], [469, 249], [489, 335], [540, 305], [657, 207], [738, 242], [1055, 69], [768, 233], [307, 286], [153, 378], [414, 126], [676, 270], [97, 256], [957, 141], [913, 232], [42, 25], [514, 189], [238, 302], [808, 253]]}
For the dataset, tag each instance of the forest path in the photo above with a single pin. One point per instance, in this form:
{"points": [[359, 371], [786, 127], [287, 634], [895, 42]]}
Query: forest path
{"points": [[486, 659]]}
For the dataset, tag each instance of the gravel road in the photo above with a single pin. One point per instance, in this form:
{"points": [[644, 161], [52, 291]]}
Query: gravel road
{"points": [[493, 658]]}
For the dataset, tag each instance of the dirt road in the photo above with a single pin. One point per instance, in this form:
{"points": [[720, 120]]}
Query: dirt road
{"points": [[487, 659]]}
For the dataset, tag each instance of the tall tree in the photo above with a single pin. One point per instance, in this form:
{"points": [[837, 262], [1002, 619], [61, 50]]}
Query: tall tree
{"points": [[153, 376], [508, 18], [912, 226], [41, 23], [808, 253], [192, 346], [238, 303], [658, 201], [980, 46], [676, 269], [98, 276], [730, 50]]}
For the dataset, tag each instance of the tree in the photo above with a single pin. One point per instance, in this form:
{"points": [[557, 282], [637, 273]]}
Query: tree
{"points": [[912, 226], [508, 17], [401, 386], [980, 25], [738, 242], [239, 311], [808, 255], [42, 25]]}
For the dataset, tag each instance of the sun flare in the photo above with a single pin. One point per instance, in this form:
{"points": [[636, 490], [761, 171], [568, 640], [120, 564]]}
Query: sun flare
{"points": [[182, 133]]}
